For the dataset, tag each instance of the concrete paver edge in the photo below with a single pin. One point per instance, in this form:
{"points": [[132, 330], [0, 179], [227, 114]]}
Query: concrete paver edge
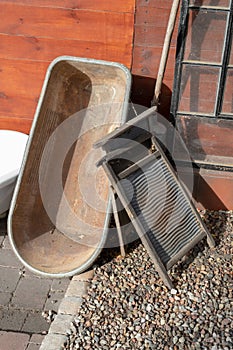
{"points": [[56, 337]]}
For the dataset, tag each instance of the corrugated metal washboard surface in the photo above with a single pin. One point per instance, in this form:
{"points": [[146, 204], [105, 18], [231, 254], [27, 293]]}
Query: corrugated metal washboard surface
{"points": [[148, 187]]}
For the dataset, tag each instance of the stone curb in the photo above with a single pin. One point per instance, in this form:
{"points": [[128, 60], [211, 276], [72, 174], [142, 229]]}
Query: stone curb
{"points": [[56, 337]]}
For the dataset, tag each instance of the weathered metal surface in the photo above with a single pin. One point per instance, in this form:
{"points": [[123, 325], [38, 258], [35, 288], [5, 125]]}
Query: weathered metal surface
{"points": [[60, 212]]}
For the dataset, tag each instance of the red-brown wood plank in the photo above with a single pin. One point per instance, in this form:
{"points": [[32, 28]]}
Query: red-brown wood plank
{"points": [[151, 36], [15, 74], [97, 5], [151, 23], [18, 106], [146, 62], [149, 16], [20, 86], [214, 190], [107, 28], [150, 29], [46, 49], [15, 123], [164, 4]]}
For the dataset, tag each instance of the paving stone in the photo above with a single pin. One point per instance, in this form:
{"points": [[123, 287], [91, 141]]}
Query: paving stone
{"points": [[84, 277], [60, 324], [28, 294], [31, 293], [76, 289], [53, 301], [12, 319], [6, 243], [53, 342], [29, 273], [36, 338], [60, 285], [35, 323], [9, 259], [2, 237], [5, 298], [8, 279], [70, 305], [33, 346], [13, 341]]}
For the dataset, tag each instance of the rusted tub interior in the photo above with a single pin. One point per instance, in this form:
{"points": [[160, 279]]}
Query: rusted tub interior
{"points": [[59, 216]]}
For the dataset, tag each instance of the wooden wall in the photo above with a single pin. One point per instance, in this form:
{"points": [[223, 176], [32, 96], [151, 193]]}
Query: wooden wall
{"points": [[34, 32], [213, 188], [151, 20]]}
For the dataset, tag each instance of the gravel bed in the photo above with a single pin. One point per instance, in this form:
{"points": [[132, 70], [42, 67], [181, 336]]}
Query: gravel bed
{"points": [[128, 306]]}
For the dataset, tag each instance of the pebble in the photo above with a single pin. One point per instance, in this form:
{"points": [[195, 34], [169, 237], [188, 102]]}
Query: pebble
{"points": [[138, 312], [173, 291], [162, 321], [182, 340], [175, 340], [49, 315]]}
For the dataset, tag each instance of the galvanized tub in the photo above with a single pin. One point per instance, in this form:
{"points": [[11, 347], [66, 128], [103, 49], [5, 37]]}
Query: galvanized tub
{"points": [[60, 212]]}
